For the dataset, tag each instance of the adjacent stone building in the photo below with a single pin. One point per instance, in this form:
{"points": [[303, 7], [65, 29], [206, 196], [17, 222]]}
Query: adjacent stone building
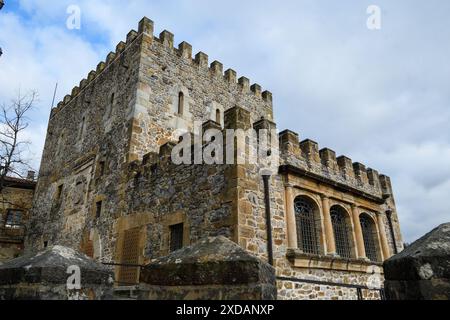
{"points": [[109, 187], [16, 199]]}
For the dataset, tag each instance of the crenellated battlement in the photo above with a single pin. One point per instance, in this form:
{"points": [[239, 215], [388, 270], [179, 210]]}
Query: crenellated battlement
{"points": [[236, 118], [184, 52], [307, 156]]}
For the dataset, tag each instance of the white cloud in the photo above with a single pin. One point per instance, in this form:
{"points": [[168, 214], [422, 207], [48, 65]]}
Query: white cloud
{"points": [[380, 97]]}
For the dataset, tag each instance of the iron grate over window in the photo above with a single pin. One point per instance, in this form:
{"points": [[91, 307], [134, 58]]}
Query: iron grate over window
{"points": [[368, 232], [130, 256], [307, 235], [176, 237], [341, 232], [14, 218]]}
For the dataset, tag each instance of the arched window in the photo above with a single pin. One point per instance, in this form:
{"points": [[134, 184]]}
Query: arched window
{"points": [[218, 116], [180, 103], [341, 230], [369, 236], [307, 230]]}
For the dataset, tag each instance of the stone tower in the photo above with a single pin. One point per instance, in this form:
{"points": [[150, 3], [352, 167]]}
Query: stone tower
{"points": [[108, 185]]}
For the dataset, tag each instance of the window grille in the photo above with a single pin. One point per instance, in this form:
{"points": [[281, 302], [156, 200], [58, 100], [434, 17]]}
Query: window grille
{"points": [[307, 233], [369, 238], [129, 275], [341, 232], [176, 237], [14, 218]]}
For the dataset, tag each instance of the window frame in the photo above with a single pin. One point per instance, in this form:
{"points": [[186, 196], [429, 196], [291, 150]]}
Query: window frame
{"points": [[180, 103], [15, 223], [370, 237], [308, 228], [179, 244], [341, 231]]}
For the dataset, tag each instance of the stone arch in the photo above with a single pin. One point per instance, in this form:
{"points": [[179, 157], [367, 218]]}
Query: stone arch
{"points": [[308, 224], [342, 231], [370, 236]]}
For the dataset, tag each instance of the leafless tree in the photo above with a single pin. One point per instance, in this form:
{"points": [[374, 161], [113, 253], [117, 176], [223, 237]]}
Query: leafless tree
{"points": [[13, 122]]}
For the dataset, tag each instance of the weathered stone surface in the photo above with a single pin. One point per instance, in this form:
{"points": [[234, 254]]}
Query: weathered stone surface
{"points": [[108, 186], [17, 198], [422, 270], [43, 276], [214, 268]]}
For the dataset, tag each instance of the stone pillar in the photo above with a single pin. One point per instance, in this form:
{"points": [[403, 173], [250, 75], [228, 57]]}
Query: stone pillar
{"points": [[383, 239], [212, 269], [290, 218], [358, 233], [329, 233]]}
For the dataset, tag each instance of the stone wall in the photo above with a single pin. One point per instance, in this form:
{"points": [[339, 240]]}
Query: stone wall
{"points": [[165, 72], [56, 273], [107, 174], [12, 238], [85, 157], [213, 269]]}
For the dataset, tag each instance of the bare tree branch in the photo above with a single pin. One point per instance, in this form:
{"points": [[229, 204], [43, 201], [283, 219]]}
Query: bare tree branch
{"points": [[13, 121]]}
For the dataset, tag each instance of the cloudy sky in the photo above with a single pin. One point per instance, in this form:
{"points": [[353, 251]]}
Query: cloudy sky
{"points": [[380, 97]]}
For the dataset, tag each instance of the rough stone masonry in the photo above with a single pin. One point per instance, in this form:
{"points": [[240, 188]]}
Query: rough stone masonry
{"points": [[108, 187]]}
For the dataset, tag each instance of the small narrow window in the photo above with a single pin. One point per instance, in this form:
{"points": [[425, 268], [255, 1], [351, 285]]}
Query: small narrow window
{"points": [[176, 237], [59, 192], [98, 209], [60, 146], [101, 168], [82, 128], [181, 103], [218, 117], [111, 105], [45, 244]]}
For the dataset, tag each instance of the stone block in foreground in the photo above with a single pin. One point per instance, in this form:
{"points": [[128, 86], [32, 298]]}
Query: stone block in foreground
{"points": [[213, 269], [422, 270], [43, 276]]}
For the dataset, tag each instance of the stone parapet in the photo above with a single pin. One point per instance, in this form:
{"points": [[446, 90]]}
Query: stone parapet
{"points": [[44, 276], [307, 156], [212, 269], [183, 52]]}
